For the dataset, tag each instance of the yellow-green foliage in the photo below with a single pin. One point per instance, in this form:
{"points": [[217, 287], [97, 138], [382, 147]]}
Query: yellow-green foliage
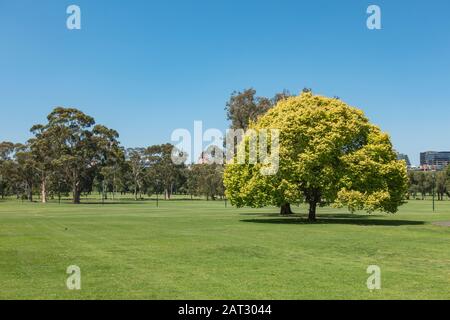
{"points": [[326, 148]]}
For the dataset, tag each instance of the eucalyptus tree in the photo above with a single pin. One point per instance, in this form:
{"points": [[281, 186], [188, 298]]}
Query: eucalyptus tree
{"points": [[111, 155], [137, 164], [79, 146], [43, 151], [244, 107]]}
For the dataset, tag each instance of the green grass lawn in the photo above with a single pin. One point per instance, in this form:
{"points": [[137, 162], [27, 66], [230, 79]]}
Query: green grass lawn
{"points": [[202, 250]]}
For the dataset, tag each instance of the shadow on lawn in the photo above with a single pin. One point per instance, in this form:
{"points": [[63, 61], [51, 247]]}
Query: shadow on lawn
{"points": [[323, 215], [343, 219]]}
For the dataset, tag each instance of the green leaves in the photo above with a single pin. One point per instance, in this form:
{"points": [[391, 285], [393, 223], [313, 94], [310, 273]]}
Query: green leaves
{"points": [[71, 144], [329, 153]]}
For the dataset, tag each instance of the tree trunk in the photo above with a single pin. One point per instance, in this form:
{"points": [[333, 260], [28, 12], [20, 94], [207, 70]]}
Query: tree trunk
{"points": [[43, 191], [114, 187], [167, 194], [286, 209], [312, 211], [76, 193], [313, 197]]}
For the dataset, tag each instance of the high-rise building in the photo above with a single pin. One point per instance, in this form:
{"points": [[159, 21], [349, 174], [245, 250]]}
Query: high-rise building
{"points": [[402, 156], [437, 159]]}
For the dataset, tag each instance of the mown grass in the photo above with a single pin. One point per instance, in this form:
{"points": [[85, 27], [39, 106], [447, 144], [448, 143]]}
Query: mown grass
{"points": [[202, 250]]}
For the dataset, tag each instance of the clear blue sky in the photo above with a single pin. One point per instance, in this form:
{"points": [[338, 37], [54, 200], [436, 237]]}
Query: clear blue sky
{"points": [[148, 67]]}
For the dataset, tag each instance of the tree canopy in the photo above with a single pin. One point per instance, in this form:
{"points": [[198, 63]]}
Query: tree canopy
{"points": [[329, 153]]}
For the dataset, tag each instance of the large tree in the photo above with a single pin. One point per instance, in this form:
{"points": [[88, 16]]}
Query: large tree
{"points": [[79, 146], [329, 152]]}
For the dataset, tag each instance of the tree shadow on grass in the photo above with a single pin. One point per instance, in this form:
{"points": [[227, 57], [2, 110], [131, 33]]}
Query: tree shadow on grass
{"points": [[322, 216], [358, 221], [259, 214]]}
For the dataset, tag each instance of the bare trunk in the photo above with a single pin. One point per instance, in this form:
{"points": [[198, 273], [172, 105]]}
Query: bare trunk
{"points": [[43, 191]]}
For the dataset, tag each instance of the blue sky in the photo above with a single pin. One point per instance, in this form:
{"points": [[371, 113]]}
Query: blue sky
{"points": [[148, 67]]}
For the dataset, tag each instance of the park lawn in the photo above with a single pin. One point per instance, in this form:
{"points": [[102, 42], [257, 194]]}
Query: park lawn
{"points": [[202, 250]]}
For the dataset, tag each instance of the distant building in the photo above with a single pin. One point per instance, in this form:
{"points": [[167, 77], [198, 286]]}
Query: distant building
{"points": [[401, 156], [434, 160]]}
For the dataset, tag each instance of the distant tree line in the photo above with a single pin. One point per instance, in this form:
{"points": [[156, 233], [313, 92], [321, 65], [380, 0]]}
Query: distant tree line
{"points": [[423, 183], [72, 155]]}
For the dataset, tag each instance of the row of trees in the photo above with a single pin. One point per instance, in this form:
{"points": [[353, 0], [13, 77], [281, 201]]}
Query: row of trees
{"points": [[426, 183], [72, 154]]}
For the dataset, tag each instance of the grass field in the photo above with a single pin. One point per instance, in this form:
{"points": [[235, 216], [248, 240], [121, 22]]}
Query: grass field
{"points": [[202, 250]]}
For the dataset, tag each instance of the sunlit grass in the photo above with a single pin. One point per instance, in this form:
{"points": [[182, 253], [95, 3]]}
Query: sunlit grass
{"points": [[203, 250]]}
